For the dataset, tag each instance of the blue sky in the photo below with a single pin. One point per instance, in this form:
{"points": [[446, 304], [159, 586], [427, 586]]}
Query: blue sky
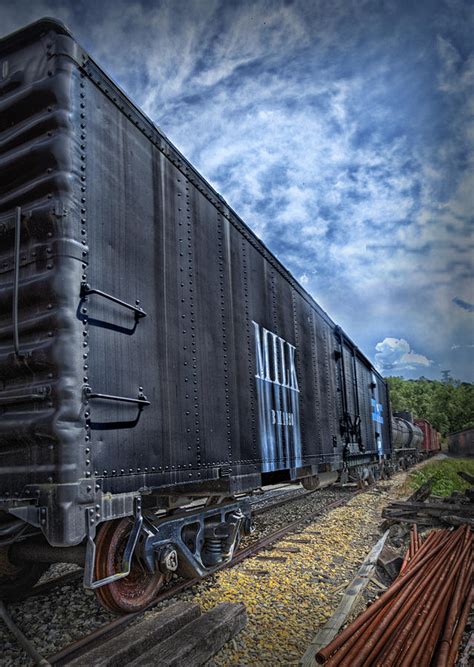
{"points": [[342, 132]]}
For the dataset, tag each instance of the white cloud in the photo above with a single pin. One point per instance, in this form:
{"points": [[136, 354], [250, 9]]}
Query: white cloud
{"points": [[304, 279], [395, 354]]}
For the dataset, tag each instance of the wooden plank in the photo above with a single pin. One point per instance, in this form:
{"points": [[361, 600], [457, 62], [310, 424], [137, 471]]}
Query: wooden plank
{"points": [[136, 640], [467, 477], [330, 629], [438, 507], [198, 641], [297, 540], [420, 521], [454, 520], [375, 581], [423, 492]]}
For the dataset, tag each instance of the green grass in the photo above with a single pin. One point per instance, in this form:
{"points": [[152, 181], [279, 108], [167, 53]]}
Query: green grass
{"points": [[445, 473]]}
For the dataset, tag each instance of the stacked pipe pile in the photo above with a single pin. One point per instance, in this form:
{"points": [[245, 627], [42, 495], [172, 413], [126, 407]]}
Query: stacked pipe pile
{"points": [[420, 618]]}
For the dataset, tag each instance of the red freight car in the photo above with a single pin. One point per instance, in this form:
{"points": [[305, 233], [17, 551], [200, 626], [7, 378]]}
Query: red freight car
{"points": [[431, 437]]}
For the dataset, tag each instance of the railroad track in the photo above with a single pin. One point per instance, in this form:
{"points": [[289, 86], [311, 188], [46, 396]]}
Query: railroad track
{"points": [[112, 628], [290, 495], [262, 506], [80, 647]]}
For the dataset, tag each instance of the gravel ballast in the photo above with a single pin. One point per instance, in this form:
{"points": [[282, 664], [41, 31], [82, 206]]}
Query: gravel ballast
{"points": [[287, 600]]}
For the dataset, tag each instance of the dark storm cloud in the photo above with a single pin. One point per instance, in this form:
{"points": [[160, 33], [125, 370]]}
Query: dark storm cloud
{"points": [[464, 305]]}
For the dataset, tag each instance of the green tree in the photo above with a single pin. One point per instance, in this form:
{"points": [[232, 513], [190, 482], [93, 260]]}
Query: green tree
{"points": [[447, 405]]}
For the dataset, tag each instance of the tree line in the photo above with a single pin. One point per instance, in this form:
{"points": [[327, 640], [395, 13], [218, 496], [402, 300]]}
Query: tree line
{"points": [[447, 405]]}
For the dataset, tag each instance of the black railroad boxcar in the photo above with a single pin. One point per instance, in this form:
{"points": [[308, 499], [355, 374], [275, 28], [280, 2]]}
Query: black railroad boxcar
{"points": [[153, 351]]}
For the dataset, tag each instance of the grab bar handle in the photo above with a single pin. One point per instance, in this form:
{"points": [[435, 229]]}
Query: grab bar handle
{"points": [[86, 289], [141, 400]]}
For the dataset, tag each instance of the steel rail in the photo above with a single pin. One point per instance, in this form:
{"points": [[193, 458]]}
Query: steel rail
{"points": [[24, 642], [50, 585], [279, 503], [295, 496]]}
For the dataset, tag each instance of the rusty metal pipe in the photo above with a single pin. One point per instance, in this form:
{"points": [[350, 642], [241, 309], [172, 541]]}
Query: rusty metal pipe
{"points": [[402, 631], [405, 562], [393, 644], [454, 611], [427, 649], [403, 638], [453, 545], [352, 647], [430, 609], [460, 627], [408, 555], [439, 537], [356, 639], [349, 638], [433, 539], [425, 622], [388, 646], [419, 542], [411, 577], [437, 609], [412, 541], [368, 648], [356, 647], [394, 641], [434, 625]]}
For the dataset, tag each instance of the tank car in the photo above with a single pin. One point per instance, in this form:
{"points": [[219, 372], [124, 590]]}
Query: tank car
{"points": [[157, 362], [407, 439]]}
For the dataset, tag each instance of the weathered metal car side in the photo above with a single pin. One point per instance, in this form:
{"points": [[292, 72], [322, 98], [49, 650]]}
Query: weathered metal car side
{"points": [[151, 345]]}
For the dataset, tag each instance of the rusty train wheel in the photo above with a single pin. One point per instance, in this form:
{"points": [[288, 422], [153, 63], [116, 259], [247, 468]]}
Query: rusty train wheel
{"points": [[131, 593]]}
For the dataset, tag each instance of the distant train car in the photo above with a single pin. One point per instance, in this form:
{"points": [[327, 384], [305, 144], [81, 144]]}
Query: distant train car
{"points": [[431, 438], [405, 435], [407, 439], [461, 443]]}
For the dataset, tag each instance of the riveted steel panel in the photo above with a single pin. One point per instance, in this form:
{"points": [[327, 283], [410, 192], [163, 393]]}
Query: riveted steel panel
{"points": [[42, 257]]}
